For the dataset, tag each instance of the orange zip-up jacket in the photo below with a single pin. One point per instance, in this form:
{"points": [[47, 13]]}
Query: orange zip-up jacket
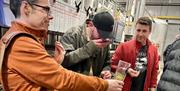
{"points": [[28, 67]]}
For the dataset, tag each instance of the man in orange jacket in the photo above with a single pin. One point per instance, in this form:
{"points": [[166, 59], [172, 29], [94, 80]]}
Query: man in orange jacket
{"points": [[28, 67]]}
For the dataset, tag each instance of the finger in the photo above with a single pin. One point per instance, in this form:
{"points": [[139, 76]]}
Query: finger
{"points": [[58, 49], [121, 86], [118, 89], [108, 75], [98, 40], [57, 42], [135, 72], [103, 72], [120, 82], [59, 45], [104, 77]]}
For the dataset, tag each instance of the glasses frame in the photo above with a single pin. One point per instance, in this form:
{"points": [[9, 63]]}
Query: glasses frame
{"points": [[45, 8]]}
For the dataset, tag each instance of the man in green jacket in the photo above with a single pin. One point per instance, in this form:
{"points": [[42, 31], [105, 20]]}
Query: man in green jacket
{"points": [[86, 46]]}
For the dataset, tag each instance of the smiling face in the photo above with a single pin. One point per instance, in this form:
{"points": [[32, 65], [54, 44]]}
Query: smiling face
{"points": [[37, 15], [142, 33]]}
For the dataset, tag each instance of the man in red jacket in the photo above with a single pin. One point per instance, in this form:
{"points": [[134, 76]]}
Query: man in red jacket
{"points": [[143, 57]]}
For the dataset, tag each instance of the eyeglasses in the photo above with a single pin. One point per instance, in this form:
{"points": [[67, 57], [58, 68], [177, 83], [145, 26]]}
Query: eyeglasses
{"points": [[45, 8]]}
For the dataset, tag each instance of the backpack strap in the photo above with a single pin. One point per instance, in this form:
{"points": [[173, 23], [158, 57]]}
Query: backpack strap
{"points": [[5, 42]]}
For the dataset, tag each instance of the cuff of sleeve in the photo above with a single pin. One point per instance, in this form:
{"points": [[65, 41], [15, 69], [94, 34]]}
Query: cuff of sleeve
{"points": [[153, 86], [107, 68], [105, 86], [127, 70]]}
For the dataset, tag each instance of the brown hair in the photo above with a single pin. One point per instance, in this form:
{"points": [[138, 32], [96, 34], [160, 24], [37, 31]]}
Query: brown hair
{"points": [[144, 21], [16, 4]]}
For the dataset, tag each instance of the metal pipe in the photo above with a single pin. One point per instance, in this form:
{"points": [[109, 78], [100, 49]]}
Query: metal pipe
{"points": [[154, 4], [162, 4], [173, 23], [141, 9], [168, 17]]}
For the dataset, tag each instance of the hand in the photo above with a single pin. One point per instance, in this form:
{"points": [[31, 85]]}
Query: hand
{"points": [[152, 89], [88, 33], [100, 43], [59, 52], [115, 85], [133, 73], [106, 74]]}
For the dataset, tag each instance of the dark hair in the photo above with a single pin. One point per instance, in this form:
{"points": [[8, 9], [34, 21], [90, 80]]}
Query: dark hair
{"points": [[15, 6], [144, 21], [88, 20]]}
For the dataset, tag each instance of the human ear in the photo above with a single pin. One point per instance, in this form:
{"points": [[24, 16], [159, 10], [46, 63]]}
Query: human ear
{"points": [[26, 8]]}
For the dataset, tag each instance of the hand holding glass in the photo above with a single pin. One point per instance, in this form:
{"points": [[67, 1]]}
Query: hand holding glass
{"points": [[121, 70]]}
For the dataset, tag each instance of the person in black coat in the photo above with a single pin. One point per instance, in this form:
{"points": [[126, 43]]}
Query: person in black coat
{"points": [[170, 79]]}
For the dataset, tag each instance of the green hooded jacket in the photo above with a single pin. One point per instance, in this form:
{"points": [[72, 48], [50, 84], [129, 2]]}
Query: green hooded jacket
{"points": [[80, 53]]}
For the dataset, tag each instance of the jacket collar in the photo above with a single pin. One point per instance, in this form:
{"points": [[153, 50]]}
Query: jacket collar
{"points": [[40, 34], [139, 45]]}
